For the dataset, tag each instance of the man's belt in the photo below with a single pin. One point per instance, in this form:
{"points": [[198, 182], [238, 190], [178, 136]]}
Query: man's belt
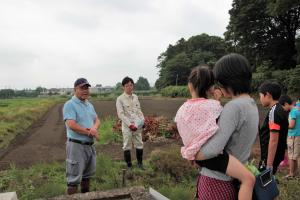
{"points": [[80, 142]]}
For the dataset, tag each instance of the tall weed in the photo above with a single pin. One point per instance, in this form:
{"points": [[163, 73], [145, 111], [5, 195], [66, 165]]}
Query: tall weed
{"points": [[107, 134]]}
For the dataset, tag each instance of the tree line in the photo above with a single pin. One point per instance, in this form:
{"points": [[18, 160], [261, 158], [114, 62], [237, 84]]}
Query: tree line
{"points": [[265, 31], [10, 93], [141, 84]]}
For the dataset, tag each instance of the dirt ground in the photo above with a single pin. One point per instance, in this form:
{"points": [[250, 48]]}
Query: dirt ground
{"points": [[157, 107], [45, 140], [42, 142]]}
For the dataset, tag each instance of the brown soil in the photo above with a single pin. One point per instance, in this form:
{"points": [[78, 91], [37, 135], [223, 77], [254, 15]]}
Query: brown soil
{"points": [[117, 153], [45, 140], [157, 107]]}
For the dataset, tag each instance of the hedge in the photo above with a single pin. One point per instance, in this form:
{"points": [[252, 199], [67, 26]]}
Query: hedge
{"points": [[288, 79], [175, 91]]}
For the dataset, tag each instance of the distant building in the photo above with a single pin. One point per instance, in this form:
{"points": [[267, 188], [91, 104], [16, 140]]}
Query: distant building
{"points": [[66, 91], [107, 89], [100, 89], [94, 90], [53, 91], [57, 91]]}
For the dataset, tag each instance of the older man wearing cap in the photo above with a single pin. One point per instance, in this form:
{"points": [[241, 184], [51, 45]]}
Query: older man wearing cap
{"points": [[82, 123]]}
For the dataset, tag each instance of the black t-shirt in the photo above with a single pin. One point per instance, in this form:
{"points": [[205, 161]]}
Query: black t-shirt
{"points": [[275, 121]]}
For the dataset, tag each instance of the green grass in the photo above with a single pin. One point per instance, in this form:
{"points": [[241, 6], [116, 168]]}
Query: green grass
{"points": [[289, 189], [108, 174], [176, 183], [179, 192], [107, 135], [16, 115], [48, 180], [38, 181]]}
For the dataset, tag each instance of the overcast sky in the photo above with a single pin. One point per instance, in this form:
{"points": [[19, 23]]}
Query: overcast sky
{"points": [[50, 43]]}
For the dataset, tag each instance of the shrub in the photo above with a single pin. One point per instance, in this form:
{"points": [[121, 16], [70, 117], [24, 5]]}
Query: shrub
{"points": [[175, 91], [94, 94], [107, 174], [257, 80], [108, 132], [288, 79], [262, 74], [146, 93], [171, 163], [293, 81]]}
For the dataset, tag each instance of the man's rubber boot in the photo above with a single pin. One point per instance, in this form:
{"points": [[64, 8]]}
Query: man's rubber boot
{"points": [[127, 158], [85, 185], [71, 190], [139, 157]]}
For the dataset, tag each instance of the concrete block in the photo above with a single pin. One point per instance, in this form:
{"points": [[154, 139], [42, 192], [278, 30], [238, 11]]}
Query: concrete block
{"points": [[8, 196]]}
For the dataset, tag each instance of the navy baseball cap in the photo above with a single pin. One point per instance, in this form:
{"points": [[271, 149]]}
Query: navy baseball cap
{"points": [[81, 82]]}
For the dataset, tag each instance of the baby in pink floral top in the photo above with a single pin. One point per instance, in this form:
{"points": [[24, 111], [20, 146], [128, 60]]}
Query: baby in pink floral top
{"points": [[196, 122]]}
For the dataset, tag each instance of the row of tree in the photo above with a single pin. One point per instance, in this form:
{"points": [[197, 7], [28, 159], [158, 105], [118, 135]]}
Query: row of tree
{"points": [[9, 93], [265, 31], [141, 84], [176, 62]]}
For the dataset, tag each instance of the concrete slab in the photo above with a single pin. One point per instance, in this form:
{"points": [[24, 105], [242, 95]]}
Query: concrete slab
{"points": [[132, 193], [8, 196]]}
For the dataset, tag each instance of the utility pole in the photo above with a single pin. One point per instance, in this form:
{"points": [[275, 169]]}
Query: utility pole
{"points": [[176, 79]]}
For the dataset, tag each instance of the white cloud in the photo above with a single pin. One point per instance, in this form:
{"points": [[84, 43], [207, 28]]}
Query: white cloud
{"points": [[51, 43]]}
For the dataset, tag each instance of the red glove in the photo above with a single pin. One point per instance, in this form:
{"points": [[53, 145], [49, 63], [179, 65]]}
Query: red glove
{"points": [[132, 127]]}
